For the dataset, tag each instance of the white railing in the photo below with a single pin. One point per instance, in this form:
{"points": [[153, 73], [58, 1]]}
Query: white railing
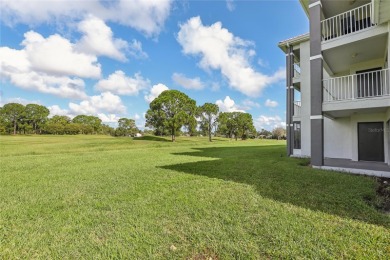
{"points": [[357, 86], [297, 70], [348, 22], [297, 108]]}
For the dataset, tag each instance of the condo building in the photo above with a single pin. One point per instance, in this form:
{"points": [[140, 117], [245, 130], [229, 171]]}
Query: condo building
{"points": [[338, 85]]}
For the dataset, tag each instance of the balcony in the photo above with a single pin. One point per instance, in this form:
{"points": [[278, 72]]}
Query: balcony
{"points": [[297, 108], [369, 90], [354, 20], [297, 70]]}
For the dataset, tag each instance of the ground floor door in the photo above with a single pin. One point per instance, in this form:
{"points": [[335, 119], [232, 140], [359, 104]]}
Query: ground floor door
{"points": [[371, 141]]}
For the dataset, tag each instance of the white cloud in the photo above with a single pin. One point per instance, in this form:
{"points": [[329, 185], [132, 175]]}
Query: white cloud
{"points": [[221, 50], [269, 122], [145, 16], [74, 110], [108, 118], [135, 50], [155, 91], [230, 5], [19, 100], [228, 105], [57, 56], [98, 39], [119, 83], [136, 116], [187, 83], [249, 104], [105, 102], [56, 110], [271, 103], [16, 67]]}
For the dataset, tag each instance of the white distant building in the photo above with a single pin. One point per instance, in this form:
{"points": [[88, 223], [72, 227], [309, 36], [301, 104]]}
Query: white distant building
{"points": [[338, 85]]}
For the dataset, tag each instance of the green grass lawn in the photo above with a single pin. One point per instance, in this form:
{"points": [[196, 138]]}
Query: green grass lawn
{"points": [[102, 197]]}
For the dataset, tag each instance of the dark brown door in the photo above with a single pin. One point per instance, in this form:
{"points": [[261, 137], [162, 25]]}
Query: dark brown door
{"points": [[371, 142]]}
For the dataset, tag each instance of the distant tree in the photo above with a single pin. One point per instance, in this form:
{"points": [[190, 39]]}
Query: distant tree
{"points": [[245, 127], [171, 109], [279, 133], [91, 124], [56, 125], [72, 129], [155, 119], [235, 123], [126, 127], [62, 120], [107, 130], [208, 115], [36, 116], [12, 114], [264, 133]]}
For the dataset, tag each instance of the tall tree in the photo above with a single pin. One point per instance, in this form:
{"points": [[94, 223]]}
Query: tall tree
{"points": [[12, 114], [176, 109], [126, 127], [208, 115], [36, 116], [245, 125]]}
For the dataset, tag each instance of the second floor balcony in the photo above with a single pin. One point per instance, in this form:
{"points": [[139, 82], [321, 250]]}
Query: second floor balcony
{"points": [[367, 90]]}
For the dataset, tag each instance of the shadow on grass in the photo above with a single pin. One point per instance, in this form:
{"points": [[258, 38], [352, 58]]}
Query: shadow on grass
{"points": [[152, 138], [287, 180]]}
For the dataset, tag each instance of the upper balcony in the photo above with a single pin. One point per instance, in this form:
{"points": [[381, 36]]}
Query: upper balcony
{"points": [[345, 95], [348, 22]]}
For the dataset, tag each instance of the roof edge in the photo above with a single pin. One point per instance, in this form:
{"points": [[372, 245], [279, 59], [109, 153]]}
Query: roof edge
{"points": [[293, 41]]}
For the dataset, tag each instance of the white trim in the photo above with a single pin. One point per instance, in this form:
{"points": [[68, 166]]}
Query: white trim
{"points": [[355, 171], [315, 4], [291, 86], [319, 56], [317, 117], [291, 125]]}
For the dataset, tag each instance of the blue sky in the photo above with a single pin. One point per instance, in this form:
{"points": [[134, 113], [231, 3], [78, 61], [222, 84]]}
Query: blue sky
{"points": [[111, 58]]}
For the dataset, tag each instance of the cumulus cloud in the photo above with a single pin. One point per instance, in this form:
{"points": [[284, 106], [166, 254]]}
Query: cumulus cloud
{"points": [[121, 84], [57, 55], [71, 112], [271, 103], [269, 122], [98, 39], [228, 105], [145, 16], [56, 110], [155, 91], [105, 102], [135, 50], [108, 118], [187, 83], [17, 68], [220, 50]]}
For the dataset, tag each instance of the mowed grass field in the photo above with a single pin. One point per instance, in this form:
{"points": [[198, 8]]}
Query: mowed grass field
{"points": [[72, 197]]}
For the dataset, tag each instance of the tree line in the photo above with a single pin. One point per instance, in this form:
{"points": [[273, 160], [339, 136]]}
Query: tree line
{"points": [[172, 113], [34, 119]]}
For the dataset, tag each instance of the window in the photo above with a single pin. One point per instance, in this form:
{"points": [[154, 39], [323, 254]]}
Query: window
{"points": [[297, 135]]}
